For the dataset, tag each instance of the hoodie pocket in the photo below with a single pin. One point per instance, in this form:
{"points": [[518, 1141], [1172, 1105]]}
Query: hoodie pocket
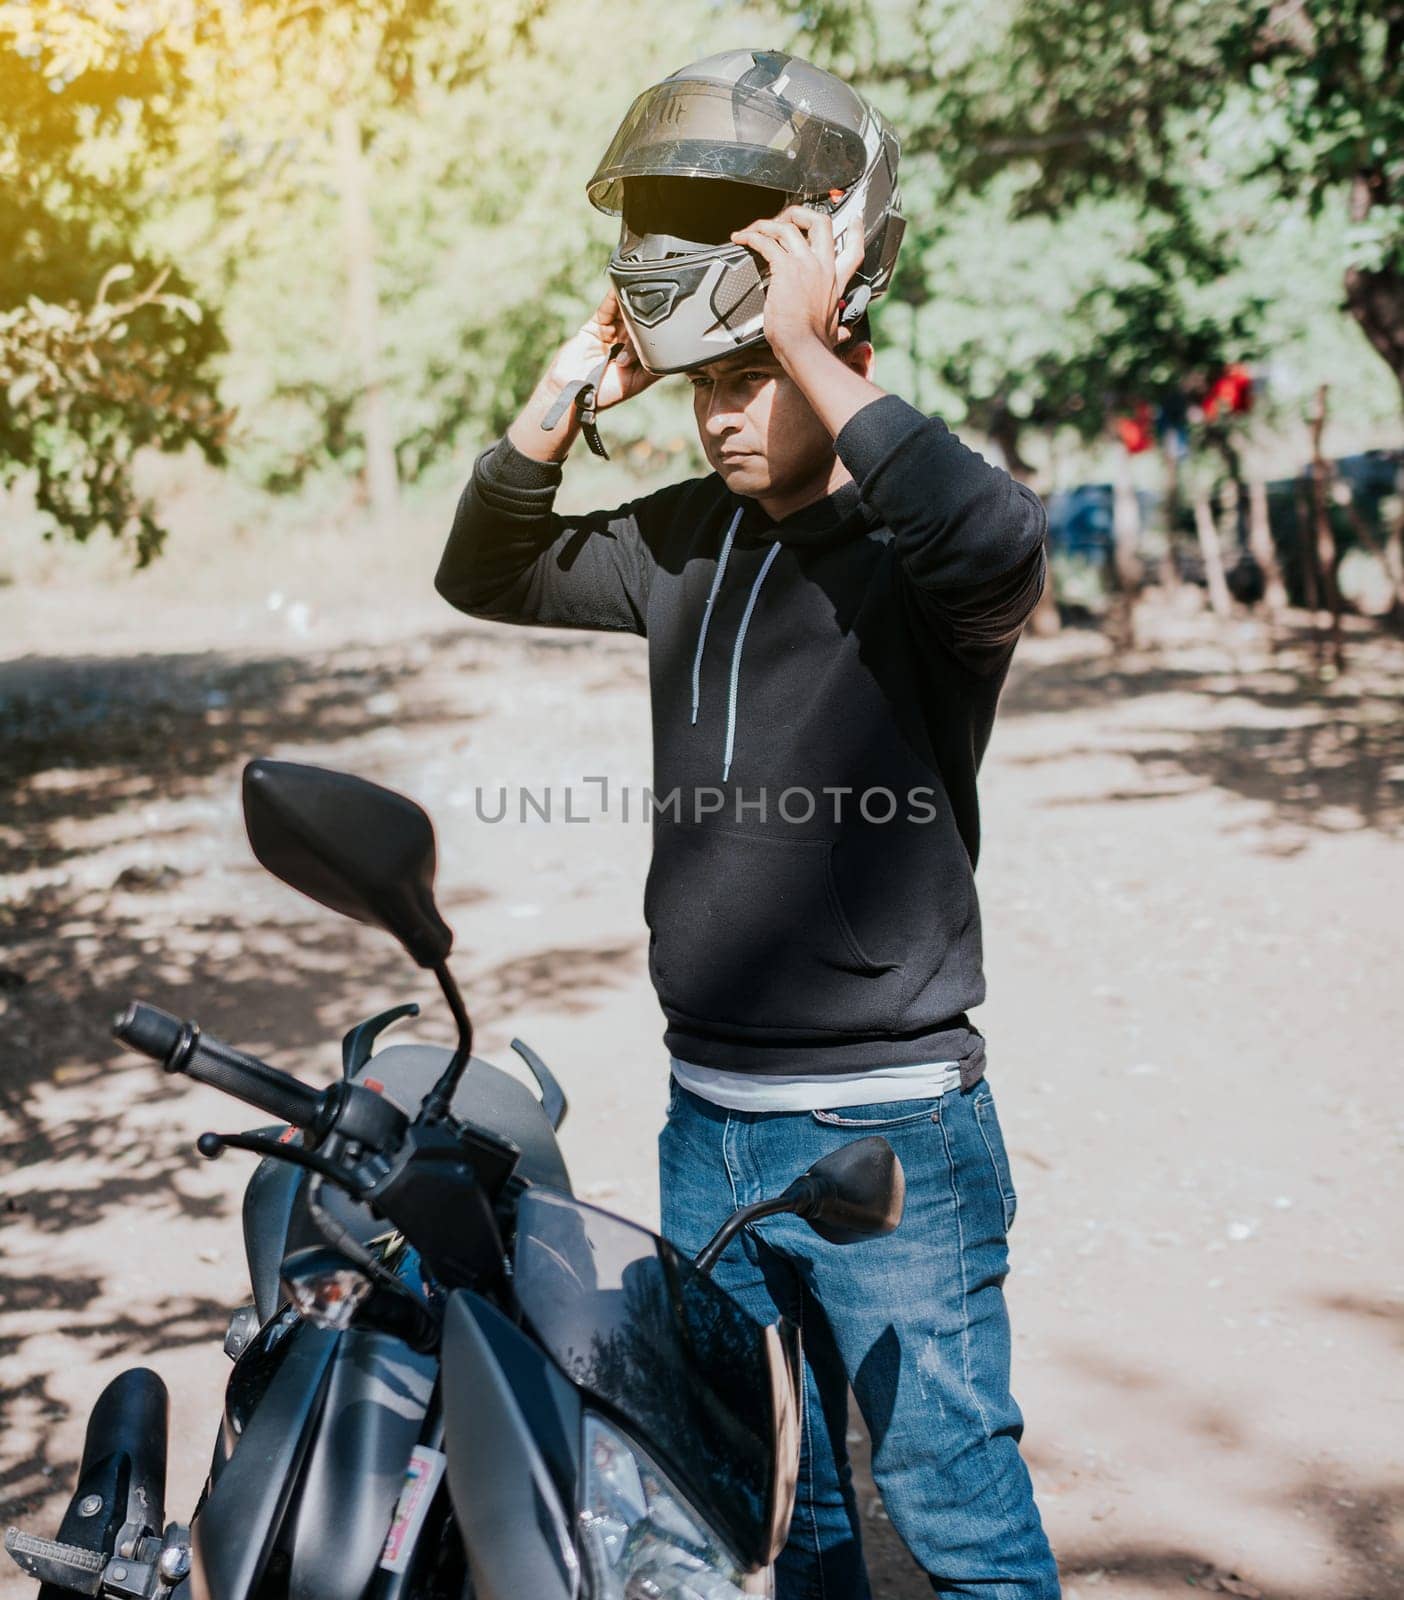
{"points": [[748, 929]]}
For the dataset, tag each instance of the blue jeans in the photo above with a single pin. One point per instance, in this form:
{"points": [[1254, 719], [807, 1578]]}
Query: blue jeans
{"points": [[915, 1323]]}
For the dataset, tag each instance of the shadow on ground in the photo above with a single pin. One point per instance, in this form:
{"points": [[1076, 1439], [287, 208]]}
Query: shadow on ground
{"points": [[88, 744], [118, 778], [38, 1480], [83, 736], [1358, 1526], [1318, 756]]}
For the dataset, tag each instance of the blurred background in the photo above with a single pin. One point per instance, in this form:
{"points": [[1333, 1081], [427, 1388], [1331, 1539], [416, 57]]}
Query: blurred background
{"points": [[275, 270]]}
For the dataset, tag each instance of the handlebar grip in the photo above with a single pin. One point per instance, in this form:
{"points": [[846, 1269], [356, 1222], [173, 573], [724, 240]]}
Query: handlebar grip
{"points": [[181, 1047], [245, 1077], [150, 1030]]}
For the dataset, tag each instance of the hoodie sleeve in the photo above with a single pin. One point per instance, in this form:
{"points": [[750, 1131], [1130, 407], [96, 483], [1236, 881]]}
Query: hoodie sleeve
{"points": [[511, 558], [968, 536]]}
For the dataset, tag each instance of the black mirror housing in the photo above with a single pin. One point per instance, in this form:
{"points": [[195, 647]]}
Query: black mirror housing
{"points": [[857, 1192], [352, 846]]}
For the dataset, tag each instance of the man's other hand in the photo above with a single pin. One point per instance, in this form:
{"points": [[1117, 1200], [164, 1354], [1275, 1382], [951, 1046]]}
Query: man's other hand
{"points": [[623, 378], [574, 362], [807, 279]]}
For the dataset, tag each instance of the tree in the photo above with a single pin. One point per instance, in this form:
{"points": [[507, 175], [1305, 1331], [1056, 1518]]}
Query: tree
{"points": [[291, 99], [119, 119], [1109, 205], [88, 380], [85, 388], [485, 249], [1089, 99]]}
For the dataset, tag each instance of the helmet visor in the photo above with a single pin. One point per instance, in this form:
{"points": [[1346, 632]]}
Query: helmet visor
{"points": [[673, 211], [691, 128]]}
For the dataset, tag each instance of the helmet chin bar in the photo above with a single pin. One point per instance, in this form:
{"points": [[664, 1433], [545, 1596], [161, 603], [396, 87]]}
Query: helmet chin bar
{"points": [[684, 313], [684, 310]]}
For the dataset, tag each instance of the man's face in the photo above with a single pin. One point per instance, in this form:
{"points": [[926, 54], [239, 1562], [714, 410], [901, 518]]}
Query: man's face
{"points": [[757, 429]]}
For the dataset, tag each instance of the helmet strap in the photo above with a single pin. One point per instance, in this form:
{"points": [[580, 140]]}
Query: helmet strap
{"points": [[581, 394]]}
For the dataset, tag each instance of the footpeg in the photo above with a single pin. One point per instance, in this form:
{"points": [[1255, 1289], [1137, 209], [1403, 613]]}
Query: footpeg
{"points": [[67, 1565]]}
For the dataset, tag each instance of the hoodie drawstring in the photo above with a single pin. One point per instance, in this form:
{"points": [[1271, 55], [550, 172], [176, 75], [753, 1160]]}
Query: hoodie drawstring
{"points": [[736, 657], [707, 614]]}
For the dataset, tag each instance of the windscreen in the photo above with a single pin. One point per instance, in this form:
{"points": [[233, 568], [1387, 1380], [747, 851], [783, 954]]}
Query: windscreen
{"points": [[637, 1327], [690, 128]]}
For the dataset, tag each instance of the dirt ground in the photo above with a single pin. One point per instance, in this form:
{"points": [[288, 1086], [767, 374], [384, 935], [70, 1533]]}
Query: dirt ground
{"points": [[1191, 888]]}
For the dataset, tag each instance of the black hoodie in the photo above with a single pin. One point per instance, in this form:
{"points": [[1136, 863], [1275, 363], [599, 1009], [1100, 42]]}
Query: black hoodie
{"points": [[808, 678]]}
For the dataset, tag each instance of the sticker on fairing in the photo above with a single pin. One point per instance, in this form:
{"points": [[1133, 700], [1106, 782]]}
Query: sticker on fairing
{"points": [[422, 1475]]}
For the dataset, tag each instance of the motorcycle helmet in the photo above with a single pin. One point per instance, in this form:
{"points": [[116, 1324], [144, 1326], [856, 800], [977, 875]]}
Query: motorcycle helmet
{"points": [[718, 145]]}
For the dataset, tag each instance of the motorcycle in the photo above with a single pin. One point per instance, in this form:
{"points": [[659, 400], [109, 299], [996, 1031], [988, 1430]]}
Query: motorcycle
{"points": [[455, 1380]]}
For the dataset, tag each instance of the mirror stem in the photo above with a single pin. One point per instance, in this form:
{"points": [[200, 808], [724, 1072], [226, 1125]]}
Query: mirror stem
{"points": [[797, 1198], [440, 1097]]}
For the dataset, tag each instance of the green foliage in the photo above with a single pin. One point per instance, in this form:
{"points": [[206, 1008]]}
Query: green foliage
{"points": [[487, 253], [105, 104], [89, 99], [1063, 106], [1102, 207], [1031, 321], [85, 388]]}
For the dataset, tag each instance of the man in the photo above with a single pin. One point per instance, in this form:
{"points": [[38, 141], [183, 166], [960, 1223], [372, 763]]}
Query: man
{"points": [[830, 616]]}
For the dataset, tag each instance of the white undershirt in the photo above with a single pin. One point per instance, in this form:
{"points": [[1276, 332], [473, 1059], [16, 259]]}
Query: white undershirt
{"points": [[754, 1091]]}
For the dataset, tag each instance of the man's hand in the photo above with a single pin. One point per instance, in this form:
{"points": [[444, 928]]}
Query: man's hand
{"points": [[802, 328], [625, 376], [577, 358], [807, 279]]}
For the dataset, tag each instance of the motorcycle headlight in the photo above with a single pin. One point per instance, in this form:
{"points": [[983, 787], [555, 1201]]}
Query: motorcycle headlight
{"points": [[640, 1538]]}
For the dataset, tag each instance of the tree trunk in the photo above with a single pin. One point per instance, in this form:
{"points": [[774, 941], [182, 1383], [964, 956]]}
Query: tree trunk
{"points": [[1376, 299], [1222, 439], [1170, 514], [1128, 574], [1046, 623], [1265, 554], [363, 316], [1394, 555], [1323, 540], [1004, 430], [1204, 526]]}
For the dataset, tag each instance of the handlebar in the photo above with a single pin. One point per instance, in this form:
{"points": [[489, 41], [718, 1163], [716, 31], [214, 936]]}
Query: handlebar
{"points": [[181, 1047], [434, 1179]]}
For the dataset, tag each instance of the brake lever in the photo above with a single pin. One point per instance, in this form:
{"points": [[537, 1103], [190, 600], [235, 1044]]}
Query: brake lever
{"points": [[213, 1145]]}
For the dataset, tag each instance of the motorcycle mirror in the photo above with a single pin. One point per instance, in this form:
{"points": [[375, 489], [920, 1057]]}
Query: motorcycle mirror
{"points": [[364, 851], [855, 1193]]}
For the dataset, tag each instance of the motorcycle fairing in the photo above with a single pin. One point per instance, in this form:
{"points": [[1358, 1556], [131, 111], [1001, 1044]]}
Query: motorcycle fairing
{"points": [[234, 1533], [269, 1201], [516, 1526], [550, 1404], [370, 1421], [254, 1371], [705, 1388], [486, 1096]]}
